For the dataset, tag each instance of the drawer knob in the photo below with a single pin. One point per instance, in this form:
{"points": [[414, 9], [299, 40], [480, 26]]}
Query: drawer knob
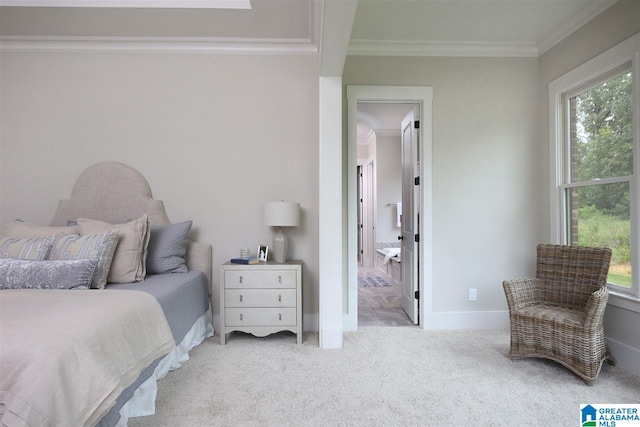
{"points": [[240, 279], [240, 298], [279, 298], [279, 279], [279, 316], [241, 317]]}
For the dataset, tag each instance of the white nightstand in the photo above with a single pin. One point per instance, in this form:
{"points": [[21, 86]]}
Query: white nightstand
{"points": [[261, 299]]}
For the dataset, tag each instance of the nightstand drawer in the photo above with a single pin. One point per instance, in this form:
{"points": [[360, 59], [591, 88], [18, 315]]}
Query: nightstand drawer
{"points": [[260, 297], [260, 316], [260, 279]]}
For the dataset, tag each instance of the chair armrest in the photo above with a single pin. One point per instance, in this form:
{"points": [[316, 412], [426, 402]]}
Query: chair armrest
{"points": [[596, 304], [522, 292]]}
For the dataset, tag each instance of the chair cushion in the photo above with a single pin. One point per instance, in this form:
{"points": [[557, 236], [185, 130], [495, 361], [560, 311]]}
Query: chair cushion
{"points": [[553, 313]]}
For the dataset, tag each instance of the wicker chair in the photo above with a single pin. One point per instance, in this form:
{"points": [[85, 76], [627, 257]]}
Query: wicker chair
{"points": [[559, 314]]}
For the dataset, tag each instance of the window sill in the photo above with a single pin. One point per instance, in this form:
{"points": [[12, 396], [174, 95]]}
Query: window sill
{"points": [[626, 301]]}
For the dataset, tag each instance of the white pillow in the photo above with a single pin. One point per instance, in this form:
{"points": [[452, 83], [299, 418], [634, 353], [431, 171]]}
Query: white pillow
{"points": [[129, 260], [28, 230]]}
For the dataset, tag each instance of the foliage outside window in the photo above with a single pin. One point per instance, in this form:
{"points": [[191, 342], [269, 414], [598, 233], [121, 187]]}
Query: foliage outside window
{"points": [[598, 175]]}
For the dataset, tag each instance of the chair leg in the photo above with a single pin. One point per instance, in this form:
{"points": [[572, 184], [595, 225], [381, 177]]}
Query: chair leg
{"points": [[609, 358]]}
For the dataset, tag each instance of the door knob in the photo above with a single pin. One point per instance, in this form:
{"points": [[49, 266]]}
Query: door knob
{"points": [[400, 238]]}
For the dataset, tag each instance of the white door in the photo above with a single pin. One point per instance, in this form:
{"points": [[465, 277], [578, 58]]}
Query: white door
{"points": [[360, 216], [368, 196], [410, 215]]}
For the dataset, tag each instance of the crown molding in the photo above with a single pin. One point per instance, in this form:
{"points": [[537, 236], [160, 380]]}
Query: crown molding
{"points": [[203, 45], [573, 23], [366, 139], [388, 132], [183, 4], [423, 48], [378, 132]]}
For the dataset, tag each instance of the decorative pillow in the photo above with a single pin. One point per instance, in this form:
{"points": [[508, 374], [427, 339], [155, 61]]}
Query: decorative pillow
{"points": [[31, 249], [129, 260], [23, 274], [28, 230], [99, 247], [167, 248]]}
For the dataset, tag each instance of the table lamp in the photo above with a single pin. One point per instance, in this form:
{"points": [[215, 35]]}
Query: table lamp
{"points": [[281, 214]]}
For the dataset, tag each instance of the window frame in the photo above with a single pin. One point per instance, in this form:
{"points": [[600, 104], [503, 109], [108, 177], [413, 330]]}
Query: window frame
{"points": [[587, 75]]}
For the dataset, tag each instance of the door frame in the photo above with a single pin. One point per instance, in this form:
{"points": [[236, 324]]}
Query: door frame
{"points": [[422, 95], [369, 212]]}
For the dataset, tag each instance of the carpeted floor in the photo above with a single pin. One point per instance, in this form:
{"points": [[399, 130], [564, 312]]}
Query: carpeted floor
{"points": [[384, 376]]}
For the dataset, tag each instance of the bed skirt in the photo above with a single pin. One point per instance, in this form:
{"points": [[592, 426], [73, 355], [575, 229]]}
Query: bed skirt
{"points": [[143, 402]]}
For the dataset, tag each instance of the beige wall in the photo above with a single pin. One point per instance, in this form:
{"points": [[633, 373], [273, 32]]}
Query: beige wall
{"points": [[616, 24], [215, 136], [486, 215]]}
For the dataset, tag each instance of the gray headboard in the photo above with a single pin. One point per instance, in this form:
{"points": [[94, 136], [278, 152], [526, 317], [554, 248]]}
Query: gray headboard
{"points": [[116, 193]]}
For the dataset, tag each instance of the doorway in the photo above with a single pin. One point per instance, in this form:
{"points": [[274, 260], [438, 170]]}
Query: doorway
{"points": [[383, 182], [422, 96]]}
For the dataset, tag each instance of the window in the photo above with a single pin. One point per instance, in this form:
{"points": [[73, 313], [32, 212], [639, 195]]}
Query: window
{"points": [[594, 137], [600, 169]]}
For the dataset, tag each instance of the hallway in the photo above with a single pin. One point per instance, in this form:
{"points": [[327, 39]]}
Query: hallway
{"points": [[380, 305]]}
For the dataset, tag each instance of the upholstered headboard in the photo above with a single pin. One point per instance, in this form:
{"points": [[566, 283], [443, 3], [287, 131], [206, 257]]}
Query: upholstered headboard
{"points": [[117, 193]]}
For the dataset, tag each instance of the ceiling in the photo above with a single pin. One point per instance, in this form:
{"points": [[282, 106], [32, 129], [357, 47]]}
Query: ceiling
{"points": [[282, 20], [467, 27], [384, 119], [376, 27]]}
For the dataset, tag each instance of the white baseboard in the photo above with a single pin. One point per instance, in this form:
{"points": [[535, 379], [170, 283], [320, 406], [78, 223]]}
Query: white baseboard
{"points": [[627, 357], [310, 322], [331, 338], [466, 320], [349, 323]]}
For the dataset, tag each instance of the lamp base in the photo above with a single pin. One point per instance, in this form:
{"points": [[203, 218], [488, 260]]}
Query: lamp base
{"points": [[280, 246]]}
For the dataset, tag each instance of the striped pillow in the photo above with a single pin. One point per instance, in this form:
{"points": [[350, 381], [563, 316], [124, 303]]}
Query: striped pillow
{"points": [[96, 246], [36, 249]]}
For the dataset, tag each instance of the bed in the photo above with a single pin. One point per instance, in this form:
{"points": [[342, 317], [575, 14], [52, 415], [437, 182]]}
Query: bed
{"points": [[102, 350]]}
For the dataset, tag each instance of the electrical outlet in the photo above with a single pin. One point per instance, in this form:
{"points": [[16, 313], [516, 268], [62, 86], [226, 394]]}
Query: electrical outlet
{"points": [[473, 294]]}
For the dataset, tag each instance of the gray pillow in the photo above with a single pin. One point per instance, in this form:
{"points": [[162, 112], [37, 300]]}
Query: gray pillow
{"points": [[167, 248], [24, 274]]}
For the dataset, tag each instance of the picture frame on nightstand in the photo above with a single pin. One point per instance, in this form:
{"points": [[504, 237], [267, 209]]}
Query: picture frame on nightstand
{"points": [[262, 253]]}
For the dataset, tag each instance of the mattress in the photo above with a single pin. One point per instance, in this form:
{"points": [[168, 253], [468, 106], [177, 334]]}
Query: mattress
{"points": [[184, 298]]}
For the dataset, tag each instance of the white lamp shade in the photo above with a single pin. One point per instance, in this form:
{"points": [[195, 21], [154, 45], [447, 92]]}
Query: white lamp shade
{"points": [[282, 214]]}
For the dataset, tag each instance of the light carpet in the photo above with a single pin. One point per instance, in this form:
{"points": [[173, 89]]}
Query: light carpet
{"points": [[386, 376]]}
